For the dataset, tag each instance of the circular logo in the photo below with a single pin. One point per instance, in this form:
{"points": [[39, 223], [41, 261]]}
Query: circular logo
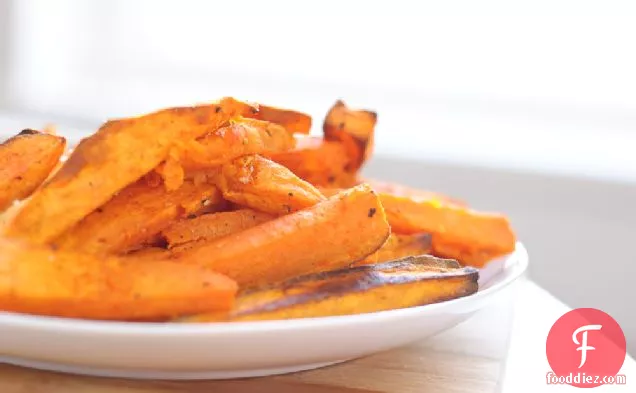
{"points": [[586, 348]]}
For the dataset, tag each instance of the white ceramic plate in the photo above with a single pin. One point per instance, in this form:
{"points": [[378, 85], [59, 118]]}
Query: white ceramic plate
{"points": [[233, 350]]}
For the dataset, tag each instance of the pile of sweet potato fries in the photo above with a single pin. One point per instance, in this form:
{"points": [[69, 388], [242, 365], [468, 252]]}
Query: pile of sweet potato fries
{"points": [[228, 211]]}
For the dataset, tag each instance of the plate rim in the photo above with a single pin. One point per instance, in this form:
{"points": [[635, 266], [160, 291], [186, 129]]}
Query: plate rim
{"points": [[119, 328]]}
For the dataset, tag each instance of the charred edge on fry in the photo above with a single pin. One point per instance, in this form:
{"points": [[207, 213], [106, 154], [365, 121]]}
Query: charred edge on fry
{"points": [[28, 131], [401, 263], [332, 283]]}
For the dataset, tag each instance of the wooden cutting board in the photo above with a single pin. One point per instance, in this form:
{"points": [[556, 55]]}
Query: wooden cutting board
{"points": [[418, 368]]}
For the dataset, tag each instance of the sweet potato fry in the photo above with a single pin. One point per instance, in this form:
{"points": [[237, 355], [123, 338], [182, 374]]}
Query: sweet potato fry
{"points": [[320, 162], [135, 215], [328, 235], [118, 154], [450, 224], [37, 280], [294, 122], [393, 285], [354, 129], [26, 160], [212, 226], [400, 246], [241, 137], [263, 185], [459, 233]]}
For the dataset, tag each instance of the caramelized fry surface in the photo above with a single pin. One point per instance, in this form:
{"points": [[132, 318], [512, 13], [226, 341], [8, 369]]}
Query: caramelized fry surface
{"points": [[406, 283]]}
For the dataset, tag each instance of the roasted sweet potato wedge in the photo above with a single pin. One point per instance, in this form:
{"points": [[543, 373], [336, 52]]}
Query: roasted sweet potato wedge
{"points": [[241, 137], [136, 214], [331, 234], [263, 185], [26, 160], [450, 224], [471, 237], [294, 122], [321, 163], [400, 246], [354, 129], [118, 154], [38, 280], [212, 226], [399, 284]]}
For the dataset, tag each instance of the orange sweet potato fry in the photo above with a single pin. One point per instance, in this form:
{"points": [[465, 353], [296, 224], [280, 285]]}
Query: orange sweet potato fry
{"points": [[450, 223], [404, 283], [354, 129], [38, 280], [118, 154], [459, 233], [26, 160], [135, 215], [400, 246], [263, 185], [241, 137], [294, 122], [320, 162], [212, 226], [329, 235]]}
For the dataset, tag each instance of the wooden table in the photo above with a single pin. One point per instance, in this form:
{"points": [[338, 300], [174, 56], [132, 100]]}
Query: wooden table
{"points": [[501, 349]]}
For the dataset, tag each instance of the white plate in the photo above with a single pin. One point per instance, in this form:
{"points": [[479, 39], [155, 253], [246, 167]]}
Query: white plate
{"points": [[233, 350]]}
